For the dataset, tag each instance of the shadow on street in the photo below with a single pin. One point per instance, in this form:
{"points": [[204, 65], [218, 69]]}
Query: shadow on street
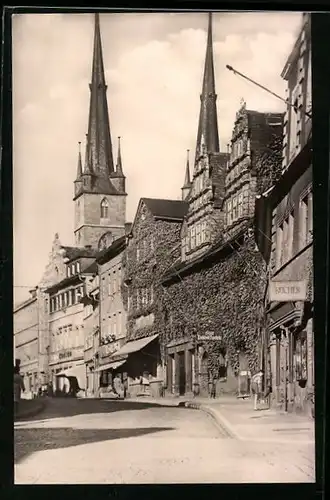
{"points": [[28, 441], [61, 407]]}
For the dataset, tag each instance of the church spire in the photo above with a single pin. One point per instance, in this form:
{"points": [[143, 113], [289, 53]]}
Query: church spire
{"points": [[187, 182], [99, 158], [79, 166], [119, 166], [208, 135]]}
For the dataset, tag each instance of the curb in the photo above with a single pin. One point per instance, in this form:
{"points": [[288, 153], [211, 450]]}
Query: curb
{"points": [[221, 422], [31, 413]]}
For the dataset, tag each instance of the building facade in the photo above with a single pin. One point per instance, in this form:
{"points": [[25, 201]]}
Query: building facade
{"points": [[153, 244], [254, 136], [112, 315], [66, 322], [217, 286], [91, 302], [288, 222], [26, 342]]}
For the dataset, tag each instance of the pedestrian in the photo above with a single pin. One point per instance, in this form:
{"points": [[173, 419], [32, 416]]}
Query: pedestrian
{"points": [[18, 388], [213, 389], [125, 387], [256, 386]]}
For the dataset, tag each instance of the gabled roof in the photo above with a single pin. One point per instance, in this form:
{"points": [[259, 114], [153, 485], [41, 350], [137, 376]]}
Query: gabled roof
{"points": [[117, 246], [166, 209], [73, 253]]}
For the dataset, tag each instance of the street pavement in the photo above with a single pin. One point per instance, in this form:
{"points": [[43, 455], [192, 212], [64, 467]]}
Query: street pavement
{"points": [[122, 442]]}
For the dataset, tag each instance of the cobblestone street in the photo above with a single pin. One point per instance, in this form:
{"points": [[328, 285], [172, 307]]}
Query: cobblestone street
{"points": [[95, 441]]}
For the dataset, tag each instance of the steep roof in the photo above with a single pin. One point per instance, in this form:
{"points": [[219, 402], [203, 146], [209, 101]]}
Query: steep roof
{"points": [[117, 246], [73, 253], [207, 134], [166, 209]]}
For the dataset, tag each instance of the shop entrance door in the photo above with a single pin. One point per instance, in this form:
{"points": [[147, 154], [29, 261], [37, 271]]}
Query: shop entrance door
{"points": [[182, 373]]}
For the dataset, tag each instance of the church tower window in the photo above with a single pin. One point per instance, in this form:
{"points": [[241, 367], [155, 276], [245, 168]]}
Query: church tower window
{"points": [[104, 209]]}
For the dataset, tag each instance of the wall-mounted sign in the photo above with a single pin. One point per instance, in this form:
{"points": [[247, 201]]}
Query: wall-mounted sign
{"points": [[209, 336], [287, 291], [64, 355]]}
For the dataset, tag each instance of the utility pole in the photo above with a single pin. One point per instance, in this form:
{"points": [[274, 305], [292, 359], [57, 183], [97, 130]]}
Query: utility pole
{"points": [[309, 115]]}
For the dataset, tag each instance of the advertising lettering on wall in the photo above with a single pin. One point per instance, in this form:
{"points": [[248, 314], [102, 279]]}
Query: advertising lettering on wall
{"points": [[287, 291]]}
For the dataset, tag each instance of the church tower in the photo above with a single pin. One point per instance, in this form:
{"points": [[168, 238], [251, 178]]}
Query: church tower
{"points": [[99, 188], [205, 191]]}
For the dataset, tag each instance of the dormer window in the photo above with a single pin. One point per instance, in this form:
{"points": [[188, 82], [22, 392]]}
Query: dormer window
{"points": [[104, 209]]}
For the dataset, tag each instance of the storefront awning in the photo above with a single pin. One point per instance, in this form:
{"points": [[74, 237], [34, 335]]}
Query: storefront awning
{"points": [[110, 366], [77, 371], [135, 345]]}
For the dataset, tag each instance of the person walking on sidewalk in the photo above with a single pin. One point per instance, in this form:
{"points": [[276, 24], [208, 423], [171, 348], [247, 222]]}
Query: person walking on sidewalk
{"points": [[18, 388], [256, 386]]}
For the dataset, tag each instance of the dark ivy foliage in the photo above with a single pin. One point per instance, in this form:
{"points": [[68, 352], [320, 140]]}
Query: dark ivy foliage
{"points": [[269, 164], [225, 300]]}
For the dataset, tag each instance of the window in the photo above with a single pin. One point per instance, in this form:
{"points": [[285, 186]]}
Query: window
{"points": [[137, 254], [65, 299], [73, 295], [234, 208], [287, 237], [229, 212], [104, 209], [114, 325], [109, 287], [203, 232], [78, 267], [73, 270], [279, 246], [240, 205], [306, 220], [294, 122], [198, 235], [151, 294], [193, 237], [68, 271]]}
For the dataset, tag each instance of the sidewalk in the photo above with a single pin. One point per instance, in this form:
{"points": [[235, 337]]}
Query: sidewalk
{"points": [[242, 422]]}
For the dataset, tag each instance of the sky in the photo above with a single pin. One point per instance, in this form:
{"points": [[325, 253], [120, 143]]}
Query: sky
{"points": [[154, 68]]}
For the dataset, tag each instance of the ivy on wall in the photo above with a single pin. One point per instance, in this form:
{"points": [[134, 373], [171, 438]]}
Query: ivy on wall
{"points": [[162, 248], [269, 164], [225, 299]]}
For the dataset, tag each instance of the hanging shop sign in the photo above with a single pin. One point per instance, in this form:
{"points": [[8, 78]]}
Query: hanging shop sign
{"points": [[287, 291]]}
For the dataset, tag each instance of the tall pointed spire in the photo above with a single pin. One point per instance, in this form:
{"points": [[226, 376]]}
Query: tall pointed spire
{"points": [[187, 174], [99, 158], [79, 166], [208, 135], [119, 166], [187, 182]]}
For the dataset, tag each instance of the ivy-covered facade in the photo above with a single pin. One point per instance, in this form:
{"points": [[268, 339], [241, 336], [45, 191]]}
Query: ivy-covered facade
{"points": [[213, 312], [153, 246]]}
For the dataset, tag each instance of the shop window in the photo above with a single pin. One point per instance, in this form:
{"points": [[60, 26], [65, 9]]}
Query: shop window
{"points": [[278, 362], [301, 357]]}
